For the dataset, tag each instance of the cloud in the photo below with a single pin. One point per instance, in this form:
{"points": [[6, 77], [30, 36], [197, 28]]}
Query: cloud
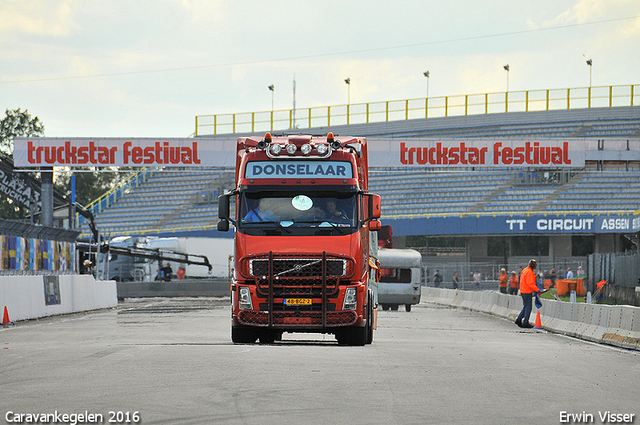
{"points": [[38, 17]]}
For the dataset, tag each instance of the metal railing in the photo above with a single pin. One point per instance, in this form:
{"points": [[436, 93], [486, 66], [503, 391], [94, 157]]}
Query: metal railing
{"points": [[398, 110], [109, 198]]}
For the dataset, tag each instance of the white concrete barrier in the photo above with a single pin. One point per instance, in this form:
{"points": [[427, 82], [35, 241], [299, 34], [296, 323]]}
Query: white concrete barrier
{"points": [[31, 297], [614, 325]]}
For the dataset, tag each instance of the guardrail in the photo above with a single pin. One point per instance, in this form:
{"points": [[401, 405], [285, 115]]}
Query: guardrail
{"points": [[397, 110], [617, 325]]}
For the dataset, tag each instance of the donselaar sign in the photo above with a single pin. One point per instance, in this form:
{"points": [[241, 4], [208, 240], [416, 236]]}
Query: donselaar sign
{"points": [[121, 152]]}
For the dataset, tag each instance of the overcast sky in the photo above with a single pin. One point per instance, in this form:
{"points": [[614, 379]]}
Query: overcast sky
{"points": [[144, 68]]}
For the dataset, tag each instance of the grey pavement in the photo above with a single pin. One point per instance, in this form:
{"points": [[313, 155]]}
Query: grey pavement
{"points": [[172, 361]]}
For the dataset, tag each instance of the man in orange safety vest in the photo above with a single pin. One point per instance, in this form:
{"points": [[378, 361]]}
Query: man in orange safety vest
{"points": [[503, 281], [528, 288]]}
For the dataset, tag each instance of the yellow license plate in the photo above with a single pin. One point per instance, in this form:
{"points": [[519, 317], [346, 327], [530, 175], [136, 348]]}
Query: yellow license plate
{"points": [[297, 301]]}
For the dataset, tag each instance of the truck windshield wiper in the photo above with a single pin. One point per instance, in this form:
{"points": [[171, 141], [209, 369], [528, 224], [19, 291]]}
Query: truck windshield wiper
{"points": [[334, 225], [273, 223]]}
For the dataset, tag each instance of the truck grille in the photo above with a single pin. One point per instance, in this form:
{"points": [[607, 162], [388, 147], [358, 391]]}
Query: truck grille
{"points": [[299, 276], [298, 267]]}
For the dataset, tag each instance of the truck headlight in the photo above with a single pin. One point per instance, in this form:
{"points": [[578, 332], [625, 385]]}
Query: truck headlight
{"points": [[244, 300], [350, 299]]}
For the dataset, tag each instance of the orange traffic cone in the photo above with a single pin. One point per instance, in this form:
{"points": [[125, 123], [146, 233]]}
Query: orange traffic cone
{"points": [[5, 319], [538, 324]]}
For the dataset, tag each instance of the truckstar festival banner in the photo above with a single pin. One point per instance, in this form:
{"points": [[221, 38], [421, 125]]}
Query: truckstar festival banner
{"points": [[555, 153], [197, 152], [120, 152]]}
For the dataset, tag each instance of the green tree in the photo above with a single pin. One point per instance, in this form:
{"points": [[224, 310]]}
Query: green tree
{"points": [[17, 123]]}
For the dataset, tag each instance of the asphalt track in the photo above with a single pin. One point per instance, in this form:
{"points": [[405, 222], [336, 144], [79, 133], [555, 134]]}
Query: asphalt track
{"points": [[171, 361]]}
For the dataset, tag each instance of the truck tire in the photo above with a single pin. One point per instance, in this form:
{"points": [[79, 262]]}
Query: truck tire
{"points": [[269, 337], [370, 319], [407, 307], [243, 335]]}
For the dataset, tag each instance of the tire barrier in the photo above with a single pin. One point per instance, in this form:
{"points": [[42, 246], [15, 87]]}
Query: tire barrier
{"points": [[617, 325]]}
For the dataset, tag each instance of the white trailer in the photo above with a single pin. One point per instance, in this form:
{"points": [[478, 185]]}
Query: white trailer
{"points": [[400, 279]]}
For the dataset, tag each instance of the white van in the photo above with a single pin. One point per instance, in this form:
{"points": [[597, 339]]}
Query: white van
{"points": [[401, 278]]}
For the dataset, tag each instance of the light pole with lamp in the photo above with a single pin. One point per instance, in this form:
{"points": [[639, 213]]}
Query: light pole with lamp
{"points": [[272, 89], [426, 74], [348, 81], [506, 68], [506, 95], [590, 63]]}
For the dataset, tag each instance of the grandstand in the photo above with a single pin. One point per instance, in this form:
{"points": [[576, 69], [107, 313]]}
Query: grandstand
{"points": [[174, 201]]}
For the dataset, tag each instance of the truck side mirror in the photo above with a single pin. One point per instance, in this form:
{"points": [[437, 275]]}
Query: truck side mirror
{"points": [[375, 225], [223, 211], [374, 206], [223, 207]]}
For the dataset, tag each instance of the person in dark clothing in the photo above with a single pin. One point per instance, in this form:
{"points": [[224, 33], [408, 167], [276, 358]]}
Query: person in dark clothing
{"points": [[166, 272], [437, 279]]}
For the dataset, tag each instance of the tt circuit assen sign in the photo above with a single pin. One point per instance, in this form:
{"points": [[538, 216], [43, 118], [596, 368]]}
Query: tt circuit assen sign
{"points": [[514, 225], [121, 152]]}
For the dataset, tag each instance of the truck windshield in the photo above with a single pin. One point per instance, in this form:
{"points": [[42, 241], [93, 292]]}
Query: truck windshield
{"points": [[289, 211]]}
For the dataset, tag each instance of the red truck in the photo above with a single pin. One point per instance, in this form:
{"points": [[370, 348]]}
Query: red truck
{"points": [[304, 239]]}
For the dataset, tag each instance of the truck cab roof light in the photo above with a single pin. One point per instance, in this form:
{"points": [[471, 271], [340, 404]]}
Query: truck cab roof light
{"points": [[336, 144], [275, 149], [306, 149], [291, 149], [322, 149]]}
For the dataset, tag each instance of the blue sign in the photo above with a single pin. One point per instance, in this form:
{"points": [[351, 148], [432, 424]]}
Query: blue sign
{"points": [[514, 224], [303, 169]]}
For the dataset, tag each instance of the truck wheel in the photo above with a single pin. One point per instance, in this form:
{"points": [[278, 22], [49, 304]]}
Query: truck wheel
{"points": [[354, 336], [243, 335], [370, 319], [269, 337], [394, 307], [407, 307], [359, 336]]}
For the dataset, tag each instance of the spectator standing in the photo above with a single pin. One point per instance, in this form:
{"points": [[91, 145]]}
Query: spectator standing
{"points": [[560, 274], [580, 272], [166, 272], [513, 283], [503, 281], [455, 280], [528, 288], [476, 279], [181, 271], [569, 273], [552, 276], [437, 279]]}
